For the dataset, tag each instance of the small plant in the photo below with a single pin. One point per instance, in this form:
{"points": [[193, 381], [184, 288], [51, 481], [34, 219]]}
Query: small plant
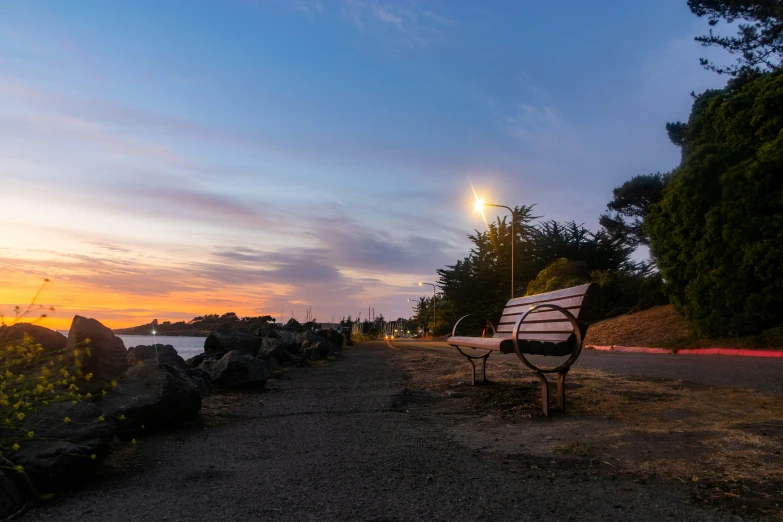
{"points": [[31, 380]]}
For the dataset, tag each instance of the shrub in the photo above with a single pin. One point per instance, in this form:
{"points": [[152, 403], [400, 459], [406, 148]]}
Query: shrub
{"points": [[29, 381], [562, 273], [717, 234]]}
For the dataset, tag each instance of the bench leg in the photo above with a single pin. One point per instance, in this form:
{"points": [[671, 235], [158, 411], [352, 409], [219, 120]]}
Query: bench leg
{"points": [[561, 376], [544, 393], [472, 358]]}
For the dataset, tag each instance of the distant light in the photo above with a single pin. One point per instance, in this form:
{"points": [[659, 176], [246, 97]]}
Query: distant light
{"points": [[479, 206], [421, 284], [153, 332]]}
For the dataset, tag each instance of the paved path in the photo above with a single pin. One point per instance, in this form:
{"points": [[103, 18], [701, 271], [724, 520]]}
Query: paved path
{"points": [[344, 442], [755, 373]]}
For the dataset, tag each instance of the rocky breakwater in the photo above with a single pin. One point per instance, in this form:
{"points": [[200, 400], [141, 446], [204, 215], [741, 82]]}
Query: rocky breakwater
{"points": [[67, 400], [76, 397], [245, 360]]}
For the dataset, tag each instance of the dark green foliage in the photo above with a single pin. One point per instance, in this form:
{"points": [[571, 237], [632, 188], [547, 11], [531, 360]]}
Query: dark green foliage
{"points": [[228, 322], [676, 132], [759, 39], [481, 282], [624, 291], [717, 235], [631, 203], [562, 273]]}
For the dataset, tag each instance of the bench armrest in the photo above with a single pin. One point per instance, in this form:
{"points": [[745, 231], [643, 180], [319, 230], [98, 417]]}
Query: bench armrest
{"points": [[577, 332], [454, 330]]}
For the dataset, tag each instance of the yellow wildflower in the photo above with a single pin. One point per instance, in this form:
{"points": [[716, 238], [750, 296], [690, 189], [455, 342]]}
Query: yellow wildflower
{"points": [[31, 434], [133, 442], [92, 456], [15, 447], [19, 469], [20, 415], [101, 418], [67, 420]]}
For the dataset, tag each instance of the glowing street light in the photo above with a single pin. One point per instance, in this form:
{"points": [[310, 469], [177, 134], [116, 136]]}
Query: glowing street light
{"points": [[479, 207]]}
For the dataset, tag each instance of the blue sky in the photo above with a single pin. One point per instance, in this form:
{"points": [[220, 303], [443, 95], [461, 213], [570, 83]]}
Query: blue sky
{"points": [[173, 158]]}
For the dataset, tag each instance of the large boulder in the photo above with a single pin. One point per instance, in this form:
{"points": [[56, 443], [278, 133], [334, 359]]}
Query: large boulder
{"points": [[108, 358], [334, 337], [220, 343], [165, 353], [10, 499], [276, 348], [153, 396], [49, 340], [201, 379], [238, 370], [61, 459]]}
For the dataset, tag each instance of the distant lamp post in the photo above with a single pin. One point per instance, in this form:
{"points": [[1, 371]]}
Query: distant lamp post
{"points": [[479, 207], [433, 302]]}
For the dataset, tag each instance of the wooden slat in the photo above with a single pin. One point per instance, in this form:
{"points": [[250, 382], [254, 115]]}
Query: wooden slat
{"points": [[544, 315], [484, 343], [540, 336], [550, 296], [563, 301], [558, 326]]}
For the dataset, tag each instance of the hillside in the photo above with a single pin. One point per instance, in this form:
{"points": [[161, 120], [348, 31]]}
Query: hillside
{"points": [[658, 326], [662, 327]]}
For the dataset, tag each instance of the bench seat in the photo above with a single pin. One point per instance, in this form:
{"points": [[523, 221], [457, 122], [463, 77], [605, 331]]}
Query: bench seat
{"points": [[504, 344]]}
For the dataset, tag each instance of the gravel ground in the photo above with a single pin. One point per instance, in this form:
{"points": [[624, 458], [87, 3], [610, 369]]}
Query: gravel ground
{"points": [[348, 442]]}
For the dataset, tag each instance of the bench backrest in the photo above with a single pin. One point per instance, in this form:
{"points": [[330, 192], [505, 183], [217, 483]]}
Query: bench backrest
{"points": [[547, 324]]}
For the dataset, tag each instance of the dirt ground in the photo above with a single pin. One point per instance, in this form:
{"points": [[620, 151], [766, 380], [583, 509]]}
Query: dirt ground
{"points": [[728, 442]]}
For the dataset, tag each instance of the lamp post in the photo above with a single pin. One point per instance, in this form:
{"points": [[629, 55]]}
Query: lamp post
{"points": [[433, 302], [479, 208]]}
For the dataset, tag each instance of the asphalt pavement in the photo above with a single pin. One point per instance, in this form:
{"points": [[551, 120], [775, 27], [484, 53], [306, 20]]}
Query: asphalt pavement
{"points": [[348, 442]]}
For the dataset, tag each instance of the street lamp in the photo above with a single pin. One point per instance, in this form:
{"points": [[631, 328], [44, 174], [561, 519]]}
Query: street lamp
{"points": [[480, 208], [433, 301]]}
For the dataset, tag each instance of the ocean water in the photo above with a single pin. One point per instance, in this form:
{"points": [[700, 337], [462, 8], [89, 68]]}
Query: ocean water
{"points": [[186, 347]]}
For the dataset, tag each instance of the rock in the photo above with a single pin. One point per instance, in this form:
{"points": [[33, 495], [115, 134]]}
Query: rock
{"points": [[273, 333], [61, 462], [238, 370], [196, 360], [272, 347], [10, 500], [221, 343], [201, 379], [108, 359], [334, 337], [49, 340], [153, 396], [165, 354], [324, 348], [308, 338]]}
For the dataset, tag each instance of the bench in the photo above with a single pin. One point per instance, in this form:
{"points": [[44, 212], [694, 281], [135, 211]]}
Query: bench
{"points": [[552, 324]]}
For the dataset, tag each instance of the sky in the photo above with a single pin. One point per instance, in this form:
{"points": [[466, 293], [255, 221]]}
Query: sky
{"points": [[169, 158]]}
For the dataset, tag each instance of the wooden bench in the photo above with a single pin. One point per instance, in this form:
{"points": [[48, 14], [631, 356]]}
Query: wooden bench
{"points": [[550, 324]]}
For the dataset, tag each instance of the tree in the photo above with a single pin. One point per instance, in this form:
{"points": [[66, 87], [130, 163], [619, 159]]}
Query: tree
{"points": [[480, 283], [717, 234], [759, 40], [631, 203]]}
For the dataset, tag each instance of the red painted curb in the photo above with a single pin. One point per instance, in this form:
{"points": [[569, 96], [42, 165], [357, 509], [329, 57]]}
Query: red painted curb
{"points": [[735, 352]]}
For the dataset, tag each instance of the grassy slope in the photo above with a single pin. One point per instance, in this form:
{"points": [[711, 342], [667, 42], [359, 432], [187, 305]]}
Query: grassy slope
{"points": [[660, 326]]}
